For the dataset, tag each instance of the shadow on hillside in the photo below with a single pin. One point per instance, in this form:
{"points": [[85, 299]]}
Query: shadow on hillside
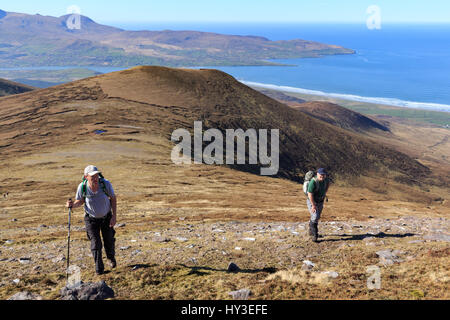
{"points": [[203, 270], [359, 237]]}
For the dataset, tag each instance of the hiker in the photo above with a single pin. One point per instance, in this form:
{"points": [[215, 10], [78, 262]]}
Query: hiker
{"points": [[100, 207], [316, 190]]}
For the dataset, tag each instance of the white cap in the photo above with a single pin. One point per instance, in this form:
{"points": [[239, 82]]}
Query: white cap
{"points": [[91, 171]]}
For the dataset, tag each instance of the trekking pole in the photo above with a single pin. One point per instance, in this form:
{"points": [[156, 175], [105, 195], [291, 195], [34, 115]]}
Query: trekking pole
{"points": [[68, 245]]}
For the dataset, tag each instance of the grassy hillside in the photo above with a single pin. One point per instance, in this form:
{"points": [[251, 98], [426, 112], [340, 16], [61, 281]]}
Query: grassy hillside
{"points": [[183, 225], [175, 98]]}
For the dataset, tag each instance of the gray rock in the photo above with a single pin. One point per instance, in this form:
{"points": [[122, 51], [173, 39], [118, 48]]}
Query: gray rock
{"points": [[307, 265], [125, 248], [389, 257], [59, 259], [232, 267], [161, 239], [437, 237], [242, 294], [416, 241], [136, 252], [87, 291], [120, 225], [331, 274], [25, 260], [25, 295]]}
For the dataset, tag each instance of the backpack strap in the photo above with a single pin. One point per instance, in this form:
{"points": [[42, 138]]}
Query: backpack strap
{"points": [[102, 183], [316, 185], [101, 180], [83, 188]]}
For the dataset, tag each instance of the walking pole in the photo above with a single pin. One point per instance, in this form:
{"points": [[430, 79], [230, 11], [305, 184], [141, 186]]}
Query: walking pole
{"points": [[68, 245]]}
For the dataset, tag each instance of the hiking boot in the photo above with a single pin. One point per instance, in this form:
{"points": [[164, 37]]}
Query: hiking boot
{"points": [[311, 233], [314, 232], [113, 263], [99, 267]]}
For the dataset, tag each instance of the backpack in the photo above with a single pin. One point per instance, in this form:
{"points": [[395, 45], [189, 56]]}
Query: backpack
{"points": [[308, 177], [312, 176], [101, 181]]}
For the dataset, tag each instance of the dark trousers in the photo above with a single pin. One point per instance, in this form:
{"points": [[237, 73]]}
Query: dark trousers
{"points": [[93, 229]]}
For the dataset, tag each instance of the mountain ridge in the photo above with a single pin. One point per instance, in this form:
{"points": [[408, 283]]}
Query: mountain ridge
{"points": [[161, 100], [8, 87], [24, 36]]}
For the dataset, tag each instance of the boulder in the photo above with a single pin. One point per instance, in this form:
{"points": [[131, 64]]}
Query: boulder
{"points": [[242, 294], [307, 265], [232, 267], [389, 257], [25, 295], [87, 291]]}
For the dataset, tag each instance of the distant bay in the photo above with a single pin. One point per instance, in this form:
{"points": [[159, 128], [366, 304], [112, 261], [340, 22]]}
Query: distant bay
{"points": [[399, 65]]}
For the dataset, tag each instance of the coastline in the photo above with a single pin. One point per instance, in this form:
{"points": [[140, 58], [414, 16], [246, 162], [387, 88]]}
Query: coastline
{"points": [[391, 102]]}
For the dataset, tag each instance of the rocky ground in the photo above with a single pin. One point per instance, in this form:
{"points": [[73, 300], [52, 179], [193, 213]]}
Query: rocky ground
{"points": [[276, 259]]}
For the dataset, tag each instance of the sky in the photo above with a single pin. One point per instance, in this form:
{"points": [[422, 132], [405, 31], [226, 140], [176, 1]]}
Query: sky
{"points": [[298, 11]]}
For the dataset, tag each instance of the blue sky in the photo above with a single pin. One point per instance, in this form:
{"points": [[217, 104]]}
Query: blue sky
{"points": [[104, 11]]}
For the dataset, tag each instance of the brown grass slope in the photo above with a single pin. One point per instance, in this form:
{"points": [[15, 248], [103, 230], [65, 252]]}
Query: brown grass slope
{"points": [[160, 99], [10, 87], [47, 140]]}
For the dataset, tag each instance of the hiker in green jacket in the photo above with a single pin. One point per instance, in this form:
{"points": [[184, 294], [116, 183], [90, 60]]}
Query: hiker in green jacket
{"points": [[317, 191]]}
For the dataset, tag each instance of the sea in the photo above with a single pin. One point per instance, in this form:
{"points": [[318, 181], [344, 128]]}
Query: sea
{"points": [[405, 65]]}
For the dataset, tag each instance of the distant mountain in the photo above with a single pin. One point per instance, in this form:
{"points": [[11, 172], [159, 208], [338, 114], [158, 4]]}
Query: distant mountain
{"points": [[154, 101], [9, 87], [340, 116], [36, 40]]}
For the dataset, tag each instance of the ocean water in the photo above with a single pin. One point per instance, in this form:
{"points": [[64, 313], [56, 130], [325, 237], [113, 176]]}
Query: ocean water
{"points": [[401, 65]]}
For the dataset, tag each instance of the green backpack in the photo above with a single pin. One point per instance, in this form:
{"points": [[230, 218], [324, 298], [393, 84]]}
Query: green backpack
{"points": [[308, 177], [101, 181]]}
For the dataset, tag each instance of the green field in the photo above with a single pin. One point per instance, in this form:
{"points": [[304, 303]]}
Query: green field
{"points": [[437, 118]]}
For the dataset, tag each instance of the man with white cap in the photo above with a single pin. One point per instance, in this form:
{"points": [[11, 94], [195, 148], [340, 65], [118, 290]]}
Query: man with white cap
{"points": [[100, 207]]}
